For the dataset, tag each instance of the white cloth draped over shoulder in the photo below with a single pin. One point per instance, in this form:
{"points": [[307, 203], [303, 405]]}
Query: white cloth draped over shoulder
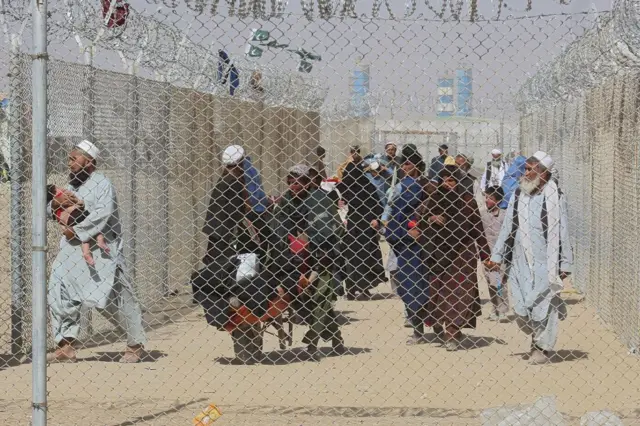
{"points": [[537, 261]]}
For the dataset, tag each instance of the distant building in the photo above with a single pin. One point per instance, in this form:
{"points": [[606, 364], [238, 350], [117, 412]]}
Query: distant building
{"points": [[445, 106], [360, 90], [464, 92]]}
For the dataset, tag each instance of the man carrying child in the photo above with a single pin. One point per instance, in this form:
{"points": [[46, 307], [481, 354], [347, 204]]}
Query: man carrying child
{"points": [[94, 278]]}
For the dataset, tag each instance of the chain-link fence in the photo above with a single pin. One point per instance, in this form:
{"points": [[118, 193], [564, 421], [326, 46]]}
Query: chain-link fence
{"points": [[445, 198]]}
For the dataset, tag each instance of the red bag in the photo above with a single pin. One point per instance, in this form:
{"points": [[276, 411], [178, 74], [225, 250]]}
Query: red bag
{"points": [[119, 13]]}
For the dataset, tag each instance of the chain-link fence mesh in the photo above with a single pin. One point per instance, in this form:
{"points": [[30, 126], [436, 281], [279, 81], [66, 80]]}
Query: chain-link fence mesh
{"points": [[269, 182]]}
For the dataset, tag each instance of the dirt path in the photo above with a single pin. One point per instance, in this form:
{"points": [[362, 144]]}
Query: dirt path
{"points": [[383, 382]]}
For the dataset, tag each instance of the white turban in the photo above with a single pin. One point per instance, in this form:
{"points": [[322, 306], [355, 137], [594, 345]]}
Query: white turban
{"points": [[544, 159], [300, 170], [89, 148], [232, 155], [496, 152]]}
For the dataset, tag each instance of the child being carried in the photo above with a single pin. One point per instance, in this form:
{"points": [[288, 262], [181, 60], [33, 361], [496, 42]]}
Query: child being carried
{"points": [[73, 214]]}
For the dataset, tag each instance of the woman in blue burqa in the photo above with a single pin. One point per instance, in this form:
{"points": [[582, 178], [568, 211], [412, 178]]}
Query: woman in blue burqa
{"points": [[236, 224], [412, 273], [511, 179]]}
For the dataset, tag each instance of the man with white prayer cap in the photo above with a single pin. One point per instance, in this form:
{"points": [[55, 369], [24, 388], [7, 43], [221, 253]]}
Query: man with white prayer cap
{"points": [[494, 172], [73, 282], [534, 248]]}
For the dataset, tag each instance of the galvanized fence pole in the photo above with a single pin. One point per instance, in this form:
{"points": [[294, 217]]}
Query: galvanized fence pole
{"points": [[39, 222], [16, 174]]}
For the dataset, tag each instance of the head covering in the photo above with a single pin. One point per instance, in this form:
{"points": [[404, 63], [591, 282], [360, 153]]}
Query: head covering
{"points": [[496, 152], [450, 161], [232, 155], [300, 170], [544, 159], [89, 148], [390, 143]]}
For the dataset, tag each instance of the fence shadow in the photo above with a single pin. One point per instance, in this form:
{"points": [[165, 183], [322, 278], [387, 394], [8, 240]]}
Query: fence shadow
{"points": [[295, 355], [151, 356], [478, 342], [8, 360], [562, 355], [156, 415]]}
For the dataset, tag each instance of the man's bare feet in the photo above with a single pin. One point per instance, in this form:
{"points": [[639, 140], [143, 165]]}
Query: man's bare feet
{"points": [[64, 354], [132, 355]]}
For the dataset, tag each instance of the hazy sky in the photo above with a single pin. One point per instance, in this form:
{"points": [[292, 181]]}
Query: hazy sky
{"points": [[406, 56]]}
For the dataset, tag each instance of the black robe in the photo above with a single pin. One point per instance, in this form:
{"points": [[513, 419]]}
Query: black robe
{"points": [[226, 227], [363, 268]]}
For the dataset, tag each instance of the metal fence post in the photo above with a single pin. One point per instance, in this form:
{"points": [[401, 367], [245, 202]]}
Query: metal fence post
{"points": [[133, 174], [165, 139], [16, 173], [39, 222]]}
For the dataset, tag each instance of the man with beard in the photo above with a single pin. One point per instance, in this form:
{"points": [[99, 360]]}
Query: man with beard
{"points": [[535, 250], [389, 162], [74, 283], [306, 235], [494, 172], [467, 181]]}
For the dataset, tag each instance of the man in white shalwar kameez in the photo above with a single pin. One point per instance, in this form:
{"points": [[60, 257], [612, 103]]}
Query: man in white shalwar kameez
{"points": [[535, 250], [494, 172], [73, 282]]}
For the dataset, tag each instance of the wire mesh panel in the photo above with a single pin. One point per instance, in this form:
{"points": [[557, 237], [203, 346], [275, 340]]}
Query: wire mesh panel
{"points": [[326, 213]]}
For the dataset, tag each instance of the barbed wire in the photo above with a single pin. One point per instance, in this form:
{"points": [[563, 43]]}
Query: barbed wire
{"points": [[612, 45], [168, 53]]}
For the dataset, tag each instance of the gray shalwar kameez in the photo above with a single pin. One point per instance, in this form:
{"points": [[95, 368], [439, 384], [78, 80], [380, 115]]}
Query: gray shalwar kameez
{"points": [[538, 307], [73, 283]]}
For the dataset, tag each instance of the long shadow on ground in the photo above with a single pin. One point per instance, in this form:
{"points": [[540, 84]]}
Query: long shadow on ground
{"points": [[295, 355], [563, 355]]}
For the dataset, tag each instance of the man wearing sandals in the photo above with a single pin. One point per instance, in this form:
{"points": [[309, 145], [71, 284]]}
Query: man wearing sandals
{"points": [[534, 247], [74, 283]]}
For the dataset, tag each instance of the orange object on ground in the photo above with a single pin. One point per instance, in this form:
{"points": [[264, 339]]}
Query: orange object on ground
{"points": [[207, 416]]}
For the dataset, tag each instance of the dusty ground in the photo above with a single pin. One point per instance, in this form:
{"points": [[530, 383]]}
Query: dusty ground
{"points": [[383, 382]]}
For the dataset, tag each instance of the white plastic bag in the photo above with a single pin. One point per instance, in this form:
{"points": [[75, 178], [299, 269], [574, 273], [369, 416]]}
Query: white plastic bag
{"points": [[248, 267]]}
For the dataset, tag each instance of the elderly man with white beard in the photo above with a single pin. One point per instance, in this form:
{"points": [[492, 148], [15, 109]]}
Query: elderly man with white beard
{"points": [[535, 251], [494, 172]]}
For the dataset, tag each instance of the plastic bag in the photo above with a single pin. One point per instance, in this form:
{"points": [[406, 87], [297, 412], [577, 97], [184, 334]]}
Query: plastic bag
{"points": [[248, 268]]}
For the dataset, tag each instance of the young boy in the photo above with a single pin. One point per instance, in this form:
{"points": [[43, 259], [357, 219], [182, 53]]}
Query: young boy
{"points": [[492, 220], [69, 216]]}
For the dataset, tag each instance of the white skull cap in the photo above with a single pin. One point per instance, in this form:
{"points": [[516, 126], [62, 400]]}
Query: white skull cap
{"points": [[300, 170], [232, 155], [496, 152], [89, 148], [544, 159]]}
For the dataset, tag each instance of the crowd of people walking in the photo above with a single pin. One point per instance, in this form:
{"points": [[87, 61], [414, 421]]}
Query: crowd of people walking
{"points": [[321, 240]]}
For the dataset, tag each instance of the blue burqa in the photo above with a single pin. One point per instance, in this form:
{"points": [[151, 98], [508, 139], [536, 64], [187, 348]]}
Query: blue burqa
{"points": [[253, 184], [412, 272], [512, 179]]}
